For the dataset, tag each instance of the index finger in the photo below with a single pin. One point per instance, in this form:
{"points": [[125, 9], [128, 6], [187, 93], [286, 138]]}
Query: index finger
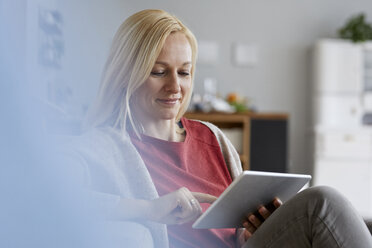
{"points": [[204, 198]]}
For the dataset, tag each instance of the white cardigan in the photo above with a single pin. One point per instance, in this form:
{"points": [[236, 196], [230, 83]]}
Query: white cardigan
{"points": [[113, 169]]}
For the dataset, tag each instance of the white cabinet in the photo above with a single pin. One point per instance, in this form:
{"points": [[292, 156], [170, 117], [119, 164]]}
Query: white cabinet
{"points": [[337, 110], [343, 144], [351, 177], [341, 97], [338, 67]]}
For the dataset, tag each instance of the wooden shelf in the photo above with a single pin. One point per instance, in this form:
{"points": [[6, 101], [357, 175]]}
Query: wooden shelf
{"points": [[241, 120]]}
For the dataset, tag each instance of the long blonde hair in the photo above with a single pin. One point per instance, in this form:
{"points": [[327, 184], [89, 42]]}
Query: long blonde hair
{"points": [[133, 53]]}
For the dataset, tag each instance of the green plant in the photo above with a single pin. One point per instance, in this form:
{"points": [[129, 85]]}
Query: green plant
{"points": [[356, 29]]}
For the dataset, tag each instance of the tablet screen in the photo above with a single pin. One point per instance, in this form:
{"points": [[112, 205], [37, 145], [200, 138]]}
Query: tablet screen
{"points": [[246, 193]]}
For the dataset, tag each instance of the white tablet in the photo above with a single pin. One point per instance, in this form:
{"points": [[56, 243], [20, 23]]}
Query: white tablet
{"points": [[246, 193]]}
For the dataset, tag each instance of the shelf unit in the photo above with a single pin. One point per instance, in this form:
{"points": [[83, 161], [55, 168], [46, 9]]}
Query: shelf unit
{"points": [[254, 128]]}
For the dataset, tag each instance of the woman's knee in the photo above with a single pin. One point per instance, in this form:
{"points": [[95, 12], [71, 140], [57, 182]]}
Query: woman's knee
{"points": [[325, 197], [322, 192]]}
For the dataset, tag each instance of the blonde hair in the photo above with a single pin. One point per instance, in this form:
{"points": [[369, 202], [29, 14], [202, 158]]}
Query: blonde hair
{"points": [[134, 50]]}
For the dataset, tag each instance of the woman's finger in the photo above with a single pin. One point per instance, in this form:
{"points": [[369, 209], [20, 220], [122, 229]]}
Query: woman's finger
{"points": [[247, 235], [264, 212], [204, 198], [277, 202], [189, 205], [197, 209], [256, 222], [249, 227], [193, 201], [193, 215]]}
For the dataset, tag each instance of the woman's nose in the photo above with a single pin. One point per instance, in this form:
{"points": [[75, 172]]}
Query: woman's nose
{"points": [[173, 84]]}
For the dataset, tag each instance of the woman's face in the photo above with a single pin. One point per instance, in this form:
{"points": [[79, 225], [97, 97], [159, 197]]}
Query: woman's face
{"points": [[161, 95]]}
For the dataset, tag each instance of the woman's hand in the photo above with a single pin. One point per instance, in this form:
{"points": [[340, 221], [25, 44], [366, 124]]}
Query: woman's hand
{"points": [[178, 207], [254, 221]]}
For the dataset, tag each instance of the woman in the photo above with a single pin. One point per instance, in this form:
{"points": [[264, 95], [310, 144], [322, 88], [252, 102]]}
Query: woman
{"points": [[161, 169]]}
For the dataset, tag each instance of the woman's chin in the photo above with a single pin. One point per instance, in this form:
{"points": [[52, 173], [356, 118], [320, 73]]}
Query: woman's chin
{"points": [[168, 116]]}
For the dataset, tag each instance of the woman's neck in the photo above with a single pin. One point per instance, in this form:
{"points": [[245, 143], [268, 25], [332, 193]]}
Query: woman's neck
{"points": [[165, 130]]}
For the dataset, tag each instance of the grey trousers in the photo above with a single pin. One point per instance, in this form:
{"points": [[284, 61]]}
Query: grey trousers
{"points": [[316, 217]]}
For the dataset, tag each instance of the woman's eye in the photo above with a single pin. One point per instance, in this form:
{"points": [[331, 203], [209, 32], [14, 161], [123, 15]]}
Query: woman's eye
{"points": [[157, 73], [184, 73]]}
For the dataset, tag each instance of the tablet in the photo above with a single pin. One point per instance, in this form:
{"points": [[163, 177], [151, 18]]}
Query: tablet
{"points": [[246, 193]]}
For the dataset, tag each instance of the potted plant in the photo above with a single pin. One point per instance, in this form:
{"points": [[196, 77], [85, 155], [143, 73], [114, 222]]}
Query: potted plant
{"points": [[356, 29]]}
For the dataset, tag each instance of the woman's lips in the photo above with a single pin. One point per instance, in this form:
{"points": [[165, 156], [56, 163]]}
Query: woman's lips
{"points": [[168, 101]]}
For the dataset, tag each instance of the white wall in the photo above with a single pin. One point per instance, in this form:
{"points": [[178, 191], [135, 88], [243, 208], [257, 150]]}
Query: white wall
{"points": [[284, 32], [88, 28]]}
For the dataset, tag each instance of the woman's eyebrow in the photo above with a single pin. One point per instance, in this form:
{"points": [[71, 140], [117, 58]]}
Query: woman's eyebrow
{"points": [[165, 63]]}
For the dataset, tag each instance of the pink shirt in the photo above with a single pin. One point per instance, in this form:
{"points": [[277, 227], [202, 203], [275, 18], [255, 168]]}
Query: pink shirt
{"points": [[197, 164]]}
